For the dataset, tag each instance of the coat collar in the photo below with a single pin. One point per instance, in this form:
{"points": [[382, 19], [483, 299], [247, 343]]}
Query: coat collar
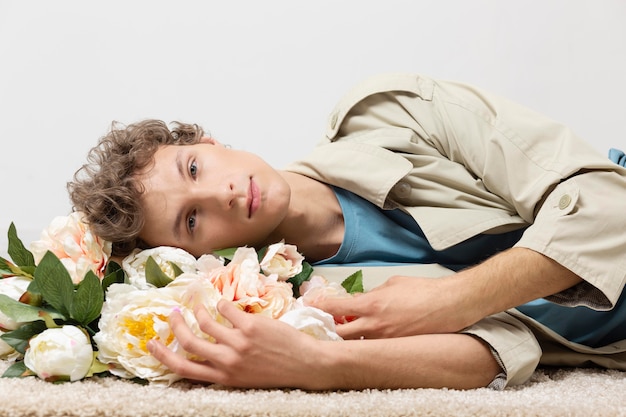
{"points": [[341, 164]]}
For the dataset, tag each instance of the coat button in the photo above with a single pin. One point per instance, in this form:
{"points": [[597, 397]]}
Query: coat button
{"points": [[403, 189], [565, 201], [333, 120]]}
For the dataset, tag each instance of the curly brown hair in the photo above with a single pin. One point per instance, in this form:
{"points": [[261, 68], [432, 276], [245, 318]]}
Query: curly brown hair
{"points": [[107, 190]]}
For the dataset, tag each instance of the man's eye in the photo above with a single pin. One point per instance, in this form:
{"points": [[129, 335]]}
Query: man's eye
{"points": [[193, 169], [191, 222]]}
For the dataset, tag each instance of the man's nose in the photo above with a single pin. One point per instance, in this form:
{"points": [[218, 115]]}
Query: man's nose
{"points": [[217, 195]]}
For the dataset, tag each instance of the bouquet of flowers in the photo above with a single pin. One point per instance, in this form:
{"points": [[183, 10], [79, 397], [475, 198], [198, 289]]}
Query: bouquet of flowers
{"points": [[67, 311]]}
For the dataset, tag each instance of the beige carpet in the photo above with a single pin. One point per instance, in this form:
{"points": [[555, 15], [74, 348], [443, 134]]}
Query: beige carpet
{"points": [[550, 392]]}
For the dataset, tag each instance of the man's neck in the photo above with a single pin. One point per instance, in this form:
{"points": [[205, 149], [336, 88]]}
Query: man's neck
{"points": [[314, 221]]}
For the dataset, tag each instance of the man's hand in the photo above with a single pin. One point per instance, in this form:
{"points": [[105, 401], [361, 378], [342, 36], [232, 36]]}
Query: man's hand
{"points": [[258, 352], [402, 306]]}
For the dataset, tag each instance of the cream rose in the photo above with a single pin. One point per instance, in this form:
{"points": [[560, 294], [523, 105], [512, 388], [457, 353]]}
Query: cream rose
{"points": [[241, 281], [319, 287], [207, 263], [71, 240], [59, 352], [135, 264], [241, 278], [283, 260], [277, 298]]}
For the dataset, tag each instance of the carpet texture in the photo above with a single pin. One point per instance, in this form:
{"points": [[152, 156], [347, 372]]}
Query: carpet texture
{"points": [[550, 392]]}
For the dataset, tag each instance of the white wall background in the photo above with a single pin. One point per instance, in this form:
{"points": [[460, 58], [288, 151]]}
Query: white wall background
{"points": [[263, 75]]}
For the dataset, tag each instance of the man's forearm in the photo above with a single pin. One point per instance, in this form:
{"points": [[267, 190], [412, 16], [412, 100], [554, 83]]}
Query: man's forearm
{"points": [[457, 361], [506, 280]]}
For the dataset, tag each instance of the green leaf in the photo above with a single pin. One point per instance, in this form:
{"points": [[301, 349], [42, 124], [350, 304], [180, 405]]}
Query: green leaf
{"points": [[97, 367], [261, 253], [154, 274], [8, 269], [112, 267], [88, 299], [176, 268], [227, 253], [31, 298], [55, 283], [32, 287], [23, 313], [18, 252], [5, 267], [17, 370], [297, 280], [18, 339], [139, 381], [28, 271], [47, 318], [114, 274], [24, 271], [354, 283]]}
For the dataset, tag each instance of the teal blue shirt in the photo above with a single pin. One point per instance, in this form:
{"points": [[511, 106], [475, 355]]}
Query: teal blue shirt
{"points": [[382, 237], [385, 237]]}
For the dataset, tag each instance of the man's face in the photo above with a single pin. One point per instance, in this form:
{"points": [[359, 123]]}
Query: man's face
{"points": [[206, 197]]}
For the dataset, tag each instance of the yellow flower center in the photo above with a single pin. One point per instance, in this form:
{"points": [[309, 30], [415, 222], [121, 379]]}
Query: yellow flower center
{"points": [[143, 329]]}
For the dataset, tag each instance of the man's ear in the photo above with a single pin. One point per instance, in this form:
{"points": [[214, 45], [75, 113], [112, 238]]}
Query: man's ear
{"points": [[209, 140]]}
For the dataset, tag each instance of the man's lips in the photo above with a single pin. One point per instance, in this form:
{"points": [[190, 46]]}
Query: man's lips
{"points": [[254, 198]]}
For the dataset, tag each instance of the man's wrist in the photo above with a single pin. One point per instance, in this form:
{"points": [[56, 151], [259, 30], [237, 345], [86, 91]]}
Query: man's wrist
{"points": [[509, 279], [329, 363]]}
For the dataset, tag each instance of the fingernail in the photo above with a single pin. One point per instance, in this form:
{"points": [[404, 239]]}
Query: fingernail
{"points": [[176, 310]]}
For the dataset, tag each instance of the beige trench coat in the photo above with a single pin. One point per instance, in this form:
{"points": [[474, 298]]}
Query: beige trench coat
{"points": [[463, 161]]}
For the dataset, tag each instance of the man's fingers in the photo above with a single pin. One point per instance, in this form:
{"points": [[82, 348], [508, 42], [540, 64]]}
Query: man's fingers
{"points": [[189, 341], [209, 325], [232, 313], [357, 329], [228, 309], [182, 366], [340, 307]]}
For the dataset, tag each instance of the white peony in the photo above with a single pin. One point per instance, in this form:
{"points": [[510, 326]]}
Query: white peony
{"points": [[59, 352], [132, 317], [199, 290], [312, 321], [13, 287], [319, 287], [135, 264], [71, 240]]}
